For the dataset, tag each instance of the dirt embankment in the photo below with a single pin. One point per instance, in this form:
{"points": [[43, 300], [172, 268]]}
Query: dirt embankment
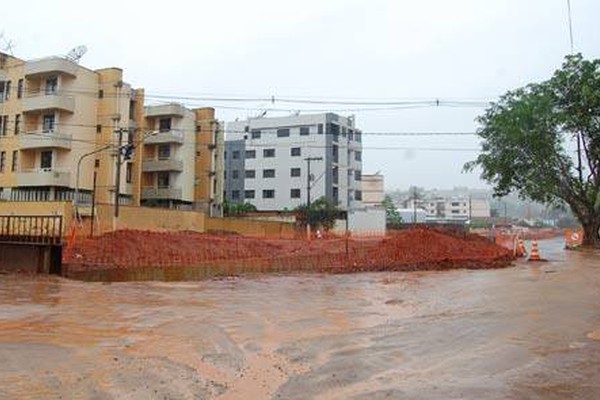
{"points": [[413, 249]]}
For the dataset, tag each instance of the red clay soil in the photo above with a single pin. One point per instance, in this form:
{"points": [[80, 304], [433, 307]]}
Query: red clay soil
{"points": [[413, 249]]}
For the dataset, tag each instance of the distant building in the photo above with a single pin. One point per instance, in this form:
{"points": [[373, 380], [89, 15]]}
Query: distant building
{"points": [[266, 161], [456, 208], [373, 190]]}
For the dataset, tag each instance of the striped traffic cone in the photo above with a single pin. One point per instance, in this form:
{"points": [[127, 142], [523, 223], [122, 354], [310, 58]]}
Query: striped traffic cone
{"points": [[535, 252]]}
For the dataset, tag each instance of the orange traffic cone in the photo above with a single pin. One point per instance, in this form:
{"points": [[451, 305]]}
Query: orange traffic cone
{"points": [[535, 252]]}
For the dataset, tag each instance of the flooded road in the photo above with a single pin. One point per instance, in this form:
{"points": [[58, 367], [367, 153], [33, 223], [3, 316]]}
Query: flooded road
{"points": [[528, 332]]}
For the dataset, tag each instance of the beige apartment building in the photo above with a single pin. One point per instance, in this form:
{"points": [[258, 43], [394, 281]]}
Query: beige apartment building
{"points": [[55, 112], [183, 159]]}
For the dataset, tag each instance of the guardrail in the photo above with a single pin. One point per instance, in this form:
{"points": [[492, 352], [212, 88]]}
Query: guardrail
{"points": [[31, 229]]}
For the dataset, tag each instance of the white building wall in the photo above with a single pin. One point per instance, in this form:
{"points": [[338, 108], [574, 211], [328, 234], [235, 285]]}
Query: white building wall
{"points": [[314, 144]]}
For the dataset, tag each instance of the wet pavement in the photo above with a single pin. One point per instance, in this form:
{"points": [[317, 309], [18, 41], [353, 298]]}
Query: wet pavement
{"points": [[528, 332]]}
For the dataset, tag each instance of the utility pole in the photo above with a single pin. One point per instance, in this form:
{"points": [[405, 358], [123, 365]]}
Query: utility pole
{"points": [[118, 172], [308, 177], [94, 199]]}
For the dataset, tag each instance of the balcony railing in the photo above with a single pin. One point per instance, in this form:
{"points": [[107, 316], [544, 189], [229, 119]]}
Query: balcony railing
{"points": [[44, 177], [171, 136], [39, 140], [161, 193], [50, 65], [168, 164], [47, 101], [173, 109]]}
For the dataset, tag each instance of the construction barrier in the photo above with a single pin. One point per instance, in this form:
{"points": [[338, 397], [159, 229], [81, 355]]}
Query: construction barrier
{"points": [[143, 255], [573, 238]]}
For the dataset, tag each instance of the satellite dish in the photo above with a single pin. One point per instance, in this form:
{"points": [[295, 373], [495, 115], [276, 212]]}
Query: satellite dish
{"points": [[76, 53]]}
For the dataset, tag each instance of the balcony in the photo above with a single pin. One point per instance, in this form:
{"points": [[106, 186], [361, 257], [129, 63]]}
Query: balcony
{"points": [[166, 165], [171, 136], [50, 65], [40, 140], [44, 177], [173, 109], [51, 101], [166, 193]]}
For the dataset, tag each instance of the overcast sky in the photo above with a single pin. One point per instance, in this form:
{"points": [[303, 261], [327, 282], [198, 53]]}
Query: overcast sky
{"points": [[334, 49]]}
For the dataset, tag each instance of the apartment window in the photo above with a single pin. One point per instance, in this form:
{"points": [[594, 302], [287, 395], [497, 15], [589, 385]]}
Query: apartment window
{"points": [[249, 194], [295, 193], [3, 125], [268, 153], [358, 195], [358, 156], [295, 172], [100, 94], [225, 155], [283, 132], [335, 153], [15, 161], [20, 89], [17, 124], [304, 131], [164, 151], [235, 174], [163, 180], [343, 131], [98, 128], [268, 173], [357, 175], [250, 153], [46, 160], [164, 124], [51, 85], [48, 123], [320, 129], [2, 161], [7, 90], [268, 194], [350, 134], [336, 195], [235, 195], [255, 134], [235, 155], [295, 151], [336, 175], [455, 211], [250, 174], [224, 174], [128, 173], [358, 137]]}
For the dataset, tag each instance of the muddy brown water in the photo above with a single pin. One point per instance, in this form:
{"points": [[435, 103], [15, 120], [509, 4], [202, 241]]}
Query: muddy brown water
{"points": [[528, 332]]}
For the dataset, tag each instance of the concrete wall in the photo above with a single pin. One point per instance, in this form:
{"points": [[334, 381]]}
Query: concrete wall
{"points": [[268, 229]]}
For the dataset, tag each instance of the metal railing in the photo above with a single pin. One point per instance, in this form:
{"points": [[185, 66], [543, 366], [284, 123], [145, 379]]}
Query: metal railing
{"points": [[33, 229]]}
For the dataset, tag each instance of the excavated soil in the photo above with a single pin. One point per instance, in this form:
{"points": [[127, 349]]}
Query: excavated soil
{"points": [[409, 250]]}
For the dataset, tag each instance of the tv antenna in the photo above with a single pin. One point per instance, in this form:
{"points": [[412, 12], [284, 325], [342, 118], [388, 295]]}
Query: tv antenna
{"points": [[76, 53], [6, 45]]}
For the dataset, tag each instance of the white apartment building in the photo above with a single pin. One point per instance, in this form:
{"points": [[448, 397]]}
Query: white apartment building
{"points": [[267, 161], [452, 208]]}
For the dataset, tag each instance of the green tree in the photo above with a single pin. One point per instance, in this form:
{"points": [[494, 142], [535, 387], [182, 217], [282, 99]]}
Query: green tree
{"points": [[543, 141], [237, 209], [392, 216], [322, 213]]}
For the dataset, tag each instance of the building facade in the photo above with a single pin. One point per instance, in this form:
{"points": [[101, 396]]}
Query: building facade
{"points": [[461, 208], [54, 111], [62, 126], [183, 159], [267, 161]]}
